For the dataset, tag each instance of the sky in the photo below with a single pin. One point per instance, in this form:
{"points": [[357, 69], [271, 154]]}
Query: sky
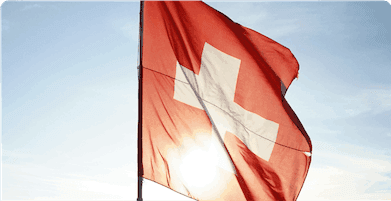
{"points": [[70, 88]]}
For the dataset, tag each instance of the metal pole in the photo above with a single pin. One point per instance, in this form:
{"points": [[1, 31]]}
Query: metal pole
{"points": [[140, 106]]}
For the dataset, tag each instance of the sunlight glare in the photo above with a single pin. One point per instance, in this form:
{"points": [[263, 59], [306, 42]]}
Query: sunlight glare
{"points": [[202, 167]]}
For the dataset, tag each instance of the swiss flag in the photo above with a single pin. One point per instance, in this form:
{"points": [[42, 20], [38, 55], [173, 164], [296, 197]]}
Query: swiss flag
{"points": [[215, 123]]}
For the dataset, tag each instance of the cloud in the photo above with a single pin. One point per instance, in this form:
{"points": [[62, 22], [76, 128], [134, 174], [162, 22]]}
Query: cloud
{"points": [[369, 100], [329, 105], [30, 181], [89, 189], [251, 20], [30, 6], [128, 28], [347, 172], [283, 29], [332, 183]]}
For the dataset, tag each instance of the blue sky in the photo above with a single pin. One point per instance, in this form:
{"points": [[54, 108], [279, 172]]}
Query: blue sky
{"points": [[69, 92]]}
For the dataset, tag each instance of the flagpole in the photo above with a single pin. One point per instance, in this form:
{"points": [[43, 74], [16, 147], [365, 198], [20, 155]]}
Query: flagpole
{"points": [[140, 119]]}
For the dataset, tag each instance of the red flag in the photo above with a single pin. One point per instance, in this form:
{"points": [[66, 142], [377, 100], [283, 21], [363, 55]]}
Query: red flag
{"points": [[216, 125]]}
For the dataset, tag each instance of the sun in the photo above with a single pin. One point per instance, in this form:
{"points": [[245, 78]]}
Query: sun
{"points": [[202, 167]]}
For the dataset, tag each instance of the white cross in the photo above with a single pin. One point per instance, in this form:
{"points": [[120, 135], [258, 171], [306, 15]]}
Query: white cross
{"points": [[216, 85]]}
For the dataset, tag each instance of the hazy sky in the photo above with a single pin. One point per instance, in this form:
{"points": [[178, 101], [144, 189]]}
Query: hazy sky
{"points": [[69, 92]]}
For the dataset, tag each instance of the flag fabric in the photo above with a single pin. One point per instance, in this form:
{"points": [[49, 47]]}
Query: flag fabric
{"points": [[216, 125]]}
